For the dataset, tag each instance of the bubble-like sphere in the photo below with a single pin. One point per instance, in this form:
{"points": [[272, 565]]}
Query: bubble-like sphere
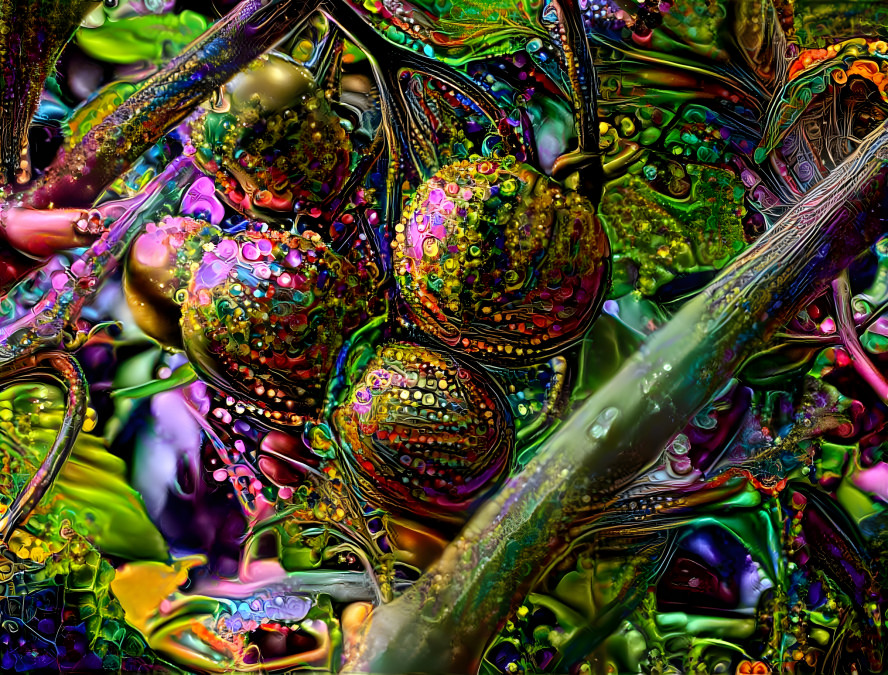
{"points": [[265, 315], [424, 434], [275, 144], [499, 261]]}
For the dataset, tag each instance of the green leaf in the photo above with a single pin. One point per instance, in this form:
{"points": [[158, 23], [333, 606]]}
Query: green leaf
{"points": [[91, 491]]}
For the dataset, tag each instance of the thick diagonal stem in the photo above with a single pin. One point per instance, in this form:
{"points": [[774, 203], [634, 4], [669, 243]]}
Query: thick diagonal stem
{"points": [[78, 176], [58, 304], [443, 622], [32, 35]]}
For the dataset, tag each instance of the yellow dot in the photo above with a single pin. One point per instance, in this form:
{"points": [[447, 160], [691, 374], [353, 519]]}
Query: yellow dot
{"points": [[89, 423]]}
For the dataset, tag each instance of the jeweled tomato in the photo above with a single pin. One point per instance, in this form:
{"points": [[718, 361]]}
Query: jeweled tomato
{"points": [[263, 314], [275, 143], [499, 261], [266, 314], [423, 433]]}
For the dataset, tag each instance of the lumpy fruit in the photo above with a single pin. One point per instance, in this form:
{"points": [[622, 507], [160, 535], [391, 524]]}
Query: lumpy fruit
{"points": [[279, 146], [265, 316], [423, 433], [497, 260]]}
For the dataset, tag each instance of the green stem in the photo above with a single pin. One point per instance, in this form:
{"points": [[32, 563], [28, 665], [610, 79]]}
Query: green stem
{"points": [[443, 622]]}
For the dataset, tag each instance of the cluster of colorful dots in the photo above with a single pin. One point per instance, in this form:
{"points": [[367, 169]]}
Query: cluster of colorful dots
{"points": [[696, 25], [323, 497], [857, 48], [265, 316], [656, 237], [423, 433], [401, 34], [291, 160], [701, 138], [250, 613], [602, 14], [495, 259]]}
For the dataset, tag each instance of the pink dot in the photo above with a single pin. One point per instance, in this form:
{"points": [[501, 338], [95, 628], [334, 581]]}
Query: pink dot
{"points": [[59, 280], [226, 249], [294, 258], [250, 251]]}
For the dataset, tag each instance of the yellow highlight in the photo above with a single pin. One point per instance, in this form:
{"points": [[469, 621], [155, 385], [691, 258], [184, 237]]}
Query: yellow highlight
{"points": [[142, 586]]}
